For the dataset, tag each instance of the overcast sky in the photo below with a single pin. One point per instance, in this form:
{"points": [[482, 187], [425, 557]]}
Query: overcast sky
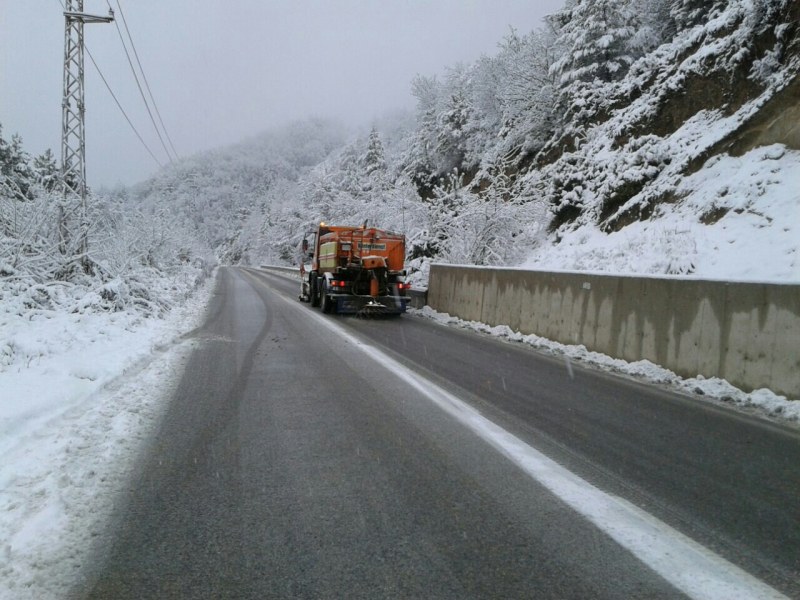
{"points": [[223, 71]]}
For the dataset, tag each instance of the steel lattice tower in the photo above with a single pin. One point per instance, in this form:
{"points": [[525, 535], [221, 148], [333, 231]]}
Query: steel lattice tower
{"points": [[73, 131]]}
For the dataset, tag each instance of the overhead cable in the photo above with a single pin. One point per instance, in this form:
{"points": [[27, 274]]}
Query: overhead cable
{"points": [[144, 77], [139, 85], [110, 91]]}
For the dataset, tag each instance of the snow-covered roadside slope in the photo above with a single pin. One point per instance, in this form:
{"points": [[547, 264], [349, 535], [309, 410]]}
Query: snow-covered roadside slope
{"points": [[738, 220], [78, 394], [688, 165]]}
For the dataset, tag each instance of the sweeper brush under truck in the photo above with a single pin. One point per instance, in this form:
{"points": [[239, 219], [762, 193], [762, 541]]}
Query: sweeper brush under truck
{"points": [[356, 270]]}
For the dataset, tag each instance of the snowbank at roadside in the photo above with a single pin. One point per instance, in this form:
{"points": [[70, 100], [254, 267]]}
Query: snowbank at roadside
{"points": [[79, 391]]}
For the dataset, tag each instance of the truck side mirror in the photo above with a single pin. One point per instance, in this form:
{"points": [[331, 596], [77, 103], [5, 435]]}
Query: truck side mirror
{"points": [[305, 245]]}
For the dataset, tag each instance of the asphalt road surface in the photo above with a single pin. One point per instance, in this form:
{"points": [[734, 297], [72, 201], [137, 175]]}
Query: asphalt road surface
{"points": [[296, 461]]}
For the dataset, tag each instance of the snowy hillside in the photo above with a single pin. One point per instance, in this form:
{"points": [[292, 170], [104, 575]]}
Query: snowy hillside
{"points": [[638, 137], [679, 175], [738, 219]]}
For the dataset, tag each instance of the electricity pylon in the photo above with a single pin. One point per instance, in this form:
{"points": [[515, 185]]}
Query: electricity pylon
{"points": [[73, 140]]}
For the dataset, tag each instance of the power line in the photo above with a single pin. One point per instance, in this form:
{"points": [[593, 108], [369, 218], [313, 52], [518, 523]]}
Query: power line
{"points": [[139, 85], [144, 77], [110, 91]]}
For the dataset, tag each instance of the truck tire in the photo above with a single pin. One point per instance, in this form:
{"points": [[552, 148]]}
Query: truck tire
{"points": [[313, 291], [327, 304]]}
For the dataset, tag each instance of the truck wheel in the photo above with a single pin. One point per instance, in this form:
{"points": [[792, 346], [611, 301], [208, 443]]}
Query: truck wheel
{"points": [[327, 304], [313, 291]]}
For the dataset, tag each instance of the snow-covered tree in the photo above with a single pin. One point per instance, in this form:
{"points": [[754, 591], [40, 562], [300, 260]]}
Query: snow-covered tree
{"points": [[374, 158], [351, 171], [420, 156], [656, 24], [526, 90], [15, 169], [455, 122], [596, 40], [45, 171], [687, 13]]}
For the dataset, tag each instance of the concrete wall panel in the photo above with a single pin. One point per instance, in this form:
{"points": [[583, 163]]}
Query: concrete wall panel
{"points": [[747, 333]]}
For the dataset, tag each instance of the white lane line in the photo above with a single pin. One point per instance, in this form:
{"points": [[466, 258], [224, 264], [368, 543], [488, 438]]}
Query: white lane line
{"points": [[692, 568]]}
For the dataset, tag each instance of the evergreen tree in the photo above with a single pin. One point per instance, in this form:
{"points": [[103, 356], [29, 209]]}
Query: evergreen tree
{"points": [[595, 38], [15, 169], [419, 159], [456, 114], [374, 159], [45, 171], [350, 172], [688, 13], [5, 152], [658, 25]]}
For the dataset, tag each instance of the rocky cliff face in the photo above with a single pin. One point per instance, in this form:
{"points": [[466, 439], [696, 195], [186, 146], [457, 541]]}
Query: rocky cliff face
{"points": [[776, 122], [724, 86]]}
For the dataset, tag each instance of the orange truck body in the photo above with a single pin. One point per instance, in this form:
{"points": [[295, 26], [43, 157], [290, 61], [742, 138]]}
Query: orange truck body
{"points": [[355, 269]]}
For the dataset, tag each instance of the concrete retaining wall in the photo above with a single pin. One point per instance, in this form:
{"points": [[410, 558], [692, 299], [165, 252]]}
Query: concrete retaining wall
{"points": [[417, 298], [747, 333], [295, 270]]}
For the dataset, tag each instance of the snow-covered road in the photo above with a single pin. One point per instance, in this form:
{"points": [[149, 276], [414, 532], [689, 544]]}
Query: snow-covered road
{"points": [[81, 393], [306, 455]]}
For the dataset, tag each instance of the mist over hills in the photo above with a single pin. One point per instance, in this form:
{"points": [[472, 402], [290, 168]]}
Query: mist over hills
{"points": [[639, 137], [569, 148]]}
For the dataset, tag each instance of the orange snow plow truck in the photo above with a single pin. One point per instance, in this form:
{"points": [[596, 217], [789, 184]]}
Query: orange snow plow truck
{"points": [[354, 270]]}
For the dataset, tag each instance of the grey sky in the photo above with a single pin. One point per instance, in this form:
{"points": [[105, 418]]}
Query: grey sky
{"points": [[223, 71]]}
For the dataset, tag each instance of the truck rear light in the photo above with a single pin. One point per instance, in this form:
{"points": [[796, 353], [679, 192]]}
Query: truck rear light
{"points": [[403, 286]]}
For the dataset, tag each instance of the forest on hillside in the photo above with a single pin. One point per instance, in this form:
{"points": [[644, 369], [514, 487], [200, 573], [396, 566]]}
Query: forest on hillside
{"points": [[592, 121]]}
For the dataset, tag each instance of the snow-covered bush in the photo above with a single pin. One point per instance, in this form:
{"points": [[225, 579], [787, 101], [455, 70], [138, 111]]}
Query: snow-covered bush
{"points": [[139, 263]]}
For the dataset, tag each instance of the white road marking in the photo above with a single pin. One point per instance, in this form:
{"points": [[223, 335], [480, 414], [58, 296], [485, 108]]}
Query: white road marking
{"points": [[689, 566]]}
